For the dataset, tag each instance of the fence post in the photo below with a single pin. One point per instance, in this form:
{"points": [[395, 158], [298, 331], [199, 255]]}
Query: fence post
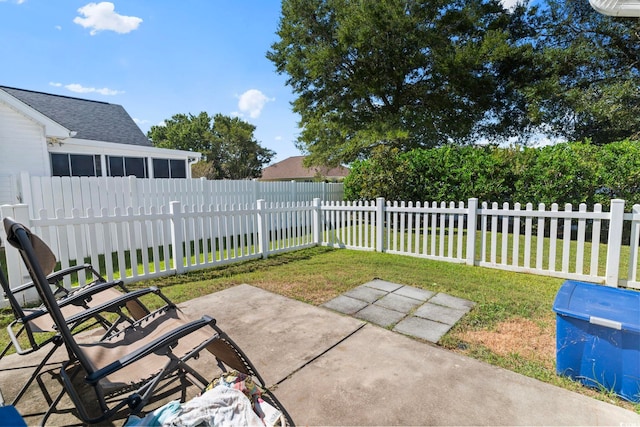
{"points": [[132, 197], [17, 273], [317, 224], [472, 221], [255, 188], [263, 233], [24, 189], [614, 243], [294, 191], [177, 236], [380, 224]]}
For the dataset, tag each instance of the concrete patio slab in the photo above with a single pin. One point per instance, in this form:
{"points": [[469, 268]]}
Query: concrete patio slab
{"points": [[377, 377], [278, 334]]}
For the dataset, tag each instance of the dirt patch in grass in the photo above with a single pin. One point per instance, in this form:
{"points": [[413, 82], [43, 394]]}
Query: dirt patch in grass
{"points": [[317, 294], [531, 340]]}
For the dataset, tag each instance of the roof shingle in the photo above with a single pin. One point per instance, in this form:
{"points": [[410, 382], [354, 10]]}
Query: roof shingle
{"points": [[293, 168], [93, 120]]}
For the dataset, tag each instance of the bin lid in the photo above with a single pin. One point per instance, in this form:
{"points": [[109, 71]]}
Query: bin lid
{"points": [[598, 304]]}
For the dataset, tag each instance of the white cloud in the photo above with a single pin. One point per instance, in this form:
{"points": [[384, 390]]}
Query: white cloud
{"points": [[102, 16], [252, 102], [511, 4], [78, 88], [58, 27], [278, 138], [141, 121]]}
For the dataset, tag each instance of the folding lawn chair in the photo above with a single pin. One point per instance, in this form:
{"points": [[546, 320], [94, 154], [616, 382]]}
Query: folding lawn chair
{"points": [[127, 370], [34, 325]]}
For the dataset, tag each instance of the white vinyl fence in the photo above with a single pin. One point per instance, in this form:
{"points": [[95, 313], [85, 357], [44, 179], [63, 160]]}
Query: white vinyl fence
{"points": [[134, 245], [98, 193], [571, 244]]}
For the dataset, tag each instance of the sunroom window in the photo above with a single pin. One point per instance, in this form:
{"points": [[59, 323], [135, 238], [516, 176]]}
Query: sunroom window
{"points": [[66, 164]]}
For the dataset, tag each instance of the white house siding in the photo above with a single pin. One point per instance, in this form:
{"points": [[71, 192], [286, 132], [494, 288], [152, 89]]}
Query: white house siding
{"points": [[22, 149], [22, 144], [8, 190]]}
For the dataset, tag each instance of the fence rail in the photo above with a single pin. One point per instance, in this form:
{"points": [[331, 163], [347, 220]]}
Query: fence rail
{"points": [[141, 244]]}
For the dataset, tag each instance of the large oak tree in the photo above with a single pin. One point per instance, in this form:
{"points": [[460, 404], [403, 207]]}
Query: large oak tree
{"points": [[227, 144], [402, 73]]}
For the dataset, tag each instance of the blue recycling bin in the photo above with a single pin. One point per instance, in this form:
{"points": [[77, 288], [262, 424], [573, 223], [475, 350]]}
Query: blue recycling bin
{"points": [[598, 337]]}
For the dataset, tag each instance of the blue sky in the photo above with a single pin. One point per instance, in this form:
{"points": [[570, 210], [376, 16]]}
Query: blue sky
{"points": [[156, 58]]}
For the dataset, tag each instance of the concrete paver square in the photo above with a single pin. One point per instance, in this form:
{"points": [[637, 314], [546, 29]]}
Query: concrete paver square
{"points": [[345, 304], [365, 293], [415, 293], [440, 313], [379, 315], [398, 303], [422, 328], [451, 301], [383, 285]]}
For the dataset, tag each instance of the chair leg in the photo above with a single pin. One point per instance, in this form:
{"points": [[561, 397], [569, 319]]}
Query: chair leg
{"points": [[57, 342], [51, 408], [8, 346]]}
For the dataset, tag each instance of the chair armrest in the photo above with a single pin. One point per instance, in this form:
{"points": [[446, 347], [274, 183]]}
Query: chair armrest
{"points": [[168, 340], [16, 342], [111, 306], [56, 276], [22, 288], [76, 299], [84, 294]]}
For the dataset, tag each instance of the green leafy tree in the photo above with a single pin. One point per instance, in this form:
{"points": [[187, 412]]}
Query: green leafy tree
{"points": [[241, 156], [578, 73], [191, 133], [449, 173], [619, 173], [382, 175], [561, 173], [401, 73], [227, 144]]}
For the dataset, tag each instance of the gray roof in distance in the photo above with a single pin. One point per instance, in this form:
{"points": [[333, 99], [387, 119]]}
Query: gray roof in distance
{"points": [[93, 120]]}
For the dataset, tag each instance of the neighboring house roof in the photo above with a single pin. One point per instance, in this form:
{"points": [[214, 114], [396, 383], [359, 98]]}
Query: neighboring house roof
{"points": [[92, 120], [292, 168]]}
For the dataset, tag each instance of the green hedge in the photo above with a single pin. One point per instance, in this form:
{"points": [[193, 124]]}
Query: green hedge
{"points": [[575, 172]]}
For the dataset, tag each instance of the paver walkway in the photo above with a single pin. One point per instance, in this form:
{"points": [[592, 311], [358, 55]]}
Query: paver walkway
{"points": [[405, 309]]}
